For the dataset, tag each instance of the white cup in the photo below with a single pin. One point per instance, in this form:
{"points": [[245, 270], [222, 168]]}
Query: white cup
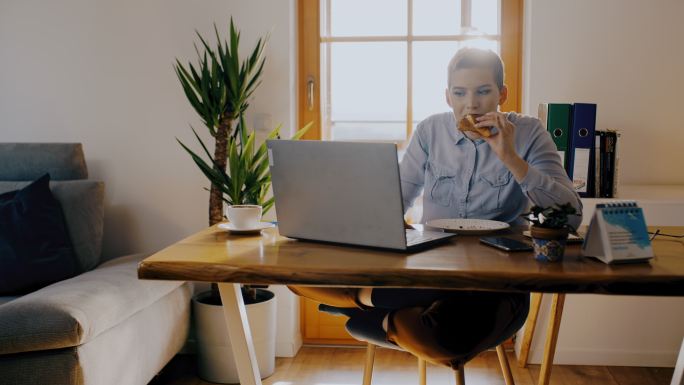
{"points": [[244, 216]]}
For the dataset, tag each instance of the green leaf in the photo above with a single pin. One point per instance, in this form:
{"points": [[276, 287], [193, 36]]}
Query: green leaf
{"points": [[207, 48], [267, 205], [207, 170], [255, 54], [185, 75], [302, 131], [253, 82], [248, 151]]}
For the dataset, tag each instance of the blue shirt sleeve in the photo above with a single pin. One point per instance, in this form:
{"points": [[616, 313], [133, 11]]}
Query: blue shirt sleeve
{"points": [[412, 167], [546, 182]]}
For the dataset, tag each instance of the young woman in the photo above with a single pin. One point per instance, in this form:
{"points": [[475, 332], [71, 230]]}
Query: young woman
{"points": [[462, 174]]}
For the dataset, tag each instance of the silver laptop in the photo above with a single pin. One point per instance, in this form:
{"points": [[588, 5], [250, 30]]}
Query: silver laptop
{"points": [[342, 192]]}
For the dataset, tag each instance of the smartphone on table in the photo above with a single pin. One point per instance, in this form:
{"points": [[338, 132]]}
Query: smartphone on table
{"points": [[507, 244]]}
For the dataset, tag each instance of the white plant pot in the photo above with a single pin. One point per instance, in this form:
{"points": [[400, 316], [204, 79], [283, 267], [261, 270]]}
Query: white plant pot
{"points": [[215, 359]]}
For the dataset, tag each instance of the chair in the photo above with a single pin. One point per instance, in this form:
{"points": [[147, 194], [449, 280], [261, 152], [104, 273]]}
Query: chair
{"points": [[360, 332], [422, 367], [557, 302]]}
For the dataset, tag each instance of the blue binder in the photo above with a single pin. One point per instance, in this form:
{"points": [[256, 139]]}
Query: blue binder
{"points": [[582, 150]]}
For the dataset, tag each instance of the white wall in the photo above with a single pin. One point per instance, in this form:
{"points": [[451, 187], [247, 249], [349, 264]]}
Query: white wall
{"points": [[100, 72], [626, 56]]}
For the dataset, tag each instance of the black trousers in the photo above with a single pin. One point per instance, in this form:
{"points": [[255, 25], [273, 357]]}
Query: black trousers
{"points": [[447, 327]]}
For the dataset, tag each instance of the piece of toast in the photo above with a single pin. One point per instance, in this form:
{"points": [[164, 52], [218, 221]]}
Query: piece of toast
{"points": [[467, 123]]}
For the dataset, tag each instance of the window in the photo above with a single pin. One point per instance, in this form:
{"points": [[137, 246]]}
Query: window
{"points": [[379, 67]]}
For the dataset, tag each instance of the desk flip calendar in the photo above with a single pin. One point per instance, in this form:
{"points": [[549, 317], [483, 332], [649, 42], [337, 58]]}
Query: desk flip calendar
{"points": [[617, 233]]}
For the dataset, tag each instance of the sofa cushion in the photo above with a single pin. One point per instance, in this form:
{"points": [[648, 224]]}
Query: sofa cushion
{"points": [[83, 206], [73, 312], [35, 249], [132, 352], [28, 161], [50, 367], [5, 299]]}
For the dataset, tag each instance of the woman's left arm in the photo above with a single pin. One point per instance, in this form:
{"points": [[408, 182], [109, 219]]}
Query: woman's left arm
{"points": [[540, 174]]}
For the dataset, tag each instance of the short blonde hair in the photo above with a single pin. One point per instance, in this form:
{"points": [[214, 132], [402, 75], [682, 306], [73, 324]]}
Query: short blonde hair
{"points": [[469, 57]]}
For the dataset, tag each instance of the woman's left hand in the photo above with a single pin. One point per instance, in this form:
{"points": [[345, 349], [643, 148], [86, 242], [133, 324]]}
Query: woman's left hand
{"points": [[503, 142]]}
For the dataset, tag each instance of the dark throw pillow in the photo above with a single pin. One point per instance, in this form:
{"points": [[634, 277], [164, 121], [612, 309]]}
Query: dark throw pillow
{"points": [[35, 248]]}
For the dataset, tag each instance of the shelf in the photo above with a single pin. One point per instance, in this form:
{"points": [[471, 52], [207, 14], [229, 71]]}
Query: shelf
{"points": [[660, 193], [663, 205]]}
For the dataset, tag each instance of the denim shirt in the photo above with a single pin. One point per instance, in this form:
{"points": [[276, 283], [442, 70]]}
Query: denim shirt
{"points": [[464, 178]]}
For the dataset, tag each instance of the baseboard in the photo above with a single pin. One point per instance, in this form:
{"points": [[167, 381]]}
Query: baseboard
{"points": [[289, 348], [662, 359], [283, 348]]}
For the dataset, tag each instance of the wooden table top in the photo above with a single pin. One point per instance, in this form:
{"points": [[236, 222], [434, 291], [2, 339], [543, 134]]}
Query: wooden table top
{"points": [[213, 255]]}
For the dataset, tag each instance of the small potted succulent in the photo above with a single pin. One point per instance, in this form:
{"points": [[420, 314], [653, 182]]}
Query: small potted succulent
{"points": [[549, 230]]}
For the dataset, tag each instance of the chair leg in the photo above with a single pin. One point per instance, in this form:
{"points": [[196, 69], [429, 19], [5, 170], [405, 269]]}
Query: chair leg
{"points": [[557, 301], [460, 375], [530, 324], [505, 367], [422, 372], [678, 374], [368, 368]]}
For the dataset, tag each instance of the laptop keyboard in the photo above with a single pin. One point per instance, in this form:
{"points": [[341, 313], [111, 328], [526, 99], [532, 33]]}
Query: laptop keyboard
{"points": [[414, 237]]}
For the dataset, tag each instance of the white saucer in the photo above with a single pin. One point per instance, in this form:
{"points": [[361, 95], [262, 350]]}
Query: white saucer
{"points": [[468, 226], [232, 229]]}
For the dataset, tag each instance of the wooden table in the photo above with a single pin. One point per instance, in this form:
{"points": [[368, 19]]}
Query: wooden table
{"points": [[213, 255]]}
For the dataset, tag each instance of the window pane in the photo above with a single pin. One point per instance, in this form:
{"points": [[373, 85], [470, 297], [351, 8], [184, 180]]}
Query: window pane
{"points": [[485, 16], [430, 76], [368, 17], [368, 131], [436, 17], [484, 44], [368, 81]]}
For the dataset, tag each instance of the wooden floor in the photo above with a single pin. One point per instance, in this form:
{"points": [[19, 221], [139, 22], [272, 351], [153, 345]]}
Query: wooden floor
{"points": [[344, 366]]}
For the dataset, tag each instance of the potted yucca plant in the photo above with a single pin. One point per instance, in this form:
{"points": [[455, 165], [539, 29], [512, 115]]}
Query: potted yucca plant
{"points": [[549, 230], [218, 87]]}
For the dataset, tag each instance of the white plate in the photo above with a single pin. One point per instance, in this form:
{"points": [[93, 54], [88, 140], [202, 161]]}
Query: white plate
{"points": [[468, 226], [231, 228]]}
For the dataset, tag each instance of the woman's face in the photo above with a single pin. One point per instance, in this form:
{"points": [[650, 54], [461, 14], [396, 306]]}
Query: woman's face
{"points": [[473, 91]]}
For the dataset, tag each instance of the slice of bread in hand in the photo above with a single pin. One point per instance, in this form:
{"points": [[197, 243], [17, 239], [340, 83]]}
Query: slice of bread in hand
{"points": [[467, 123]]}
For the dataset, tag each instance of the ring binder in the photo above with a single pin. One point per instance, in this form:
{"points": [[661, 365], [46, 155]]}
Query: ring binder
{"points": [[582, 143], [556, 118]]}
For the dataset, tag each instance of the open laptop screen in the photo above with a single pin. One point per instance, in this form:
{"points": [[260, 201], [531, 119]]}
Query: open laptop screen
{"points": [[338, 192]]}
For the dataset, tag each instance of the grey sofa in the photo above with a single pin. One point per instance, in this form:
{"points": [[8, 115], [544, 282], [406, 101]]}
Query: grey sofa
{"points": [[103, 326]]}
